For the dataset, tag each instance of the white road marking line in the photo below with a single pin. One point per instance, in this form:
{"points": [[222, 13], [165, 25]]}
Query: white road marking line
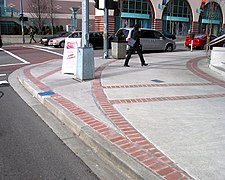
{"points": [[2, 75], [44, 47], [48, 51], [4, 82], [17, 57], [3, 65]]}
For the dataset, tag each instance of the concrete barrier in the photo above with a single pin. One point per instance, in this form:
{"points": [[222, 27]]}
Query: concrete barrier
{"points": [[17, 39], [218, 57]]}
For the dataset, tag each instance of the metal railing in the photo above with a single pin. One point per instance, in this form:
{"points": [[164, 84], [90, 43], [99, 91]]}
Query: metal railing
{"points": [[217, 40]]}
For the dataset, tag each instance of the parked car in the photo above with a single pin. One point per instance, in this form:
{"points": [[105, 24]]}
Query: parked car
{"points": [[95, 39], [150, 39], [60, 41], [218, 42], [199, 41], [46, 39]]}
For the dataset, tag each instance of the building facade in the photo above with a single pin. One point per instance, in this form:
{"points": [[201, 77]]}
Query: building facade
{"points": [[174, 16]]}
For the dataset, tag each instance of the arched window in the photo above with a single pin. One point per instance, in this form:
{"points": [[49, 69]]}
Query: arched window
{"points": [[177, 17], [136, 11], [210, 19], [137, 6]]}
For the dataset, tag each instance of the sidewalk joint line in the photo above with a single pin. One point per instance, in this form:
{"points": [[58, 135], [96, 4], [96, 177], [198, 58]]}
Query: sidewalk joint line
{"points": [[172, 98], [156, 85]]}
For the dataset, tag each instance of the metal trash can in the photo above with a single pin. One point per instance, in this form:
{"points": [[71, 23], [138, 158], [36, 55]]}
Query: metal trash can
{"points": [[119, 46]]}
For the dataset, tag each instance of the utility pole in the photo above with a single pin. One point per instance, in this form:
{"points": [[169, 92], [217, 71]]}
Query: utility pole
{"points": [[21, 19], [85, 54], [106, 12], [51, 16], [85, 23]]}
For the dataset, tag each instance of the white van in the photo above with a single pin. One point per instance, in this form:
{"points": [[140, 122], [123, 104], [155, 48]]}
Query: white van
{"points": [[150, 39]]}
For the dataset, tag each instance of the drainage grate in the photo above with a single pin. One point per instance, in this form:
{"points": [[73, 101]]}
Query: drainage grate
{"points": [[157, 81]]}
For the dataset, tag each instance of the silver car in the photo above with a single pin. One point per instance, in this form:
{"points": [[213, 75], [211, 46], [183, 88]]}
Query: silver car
{"points": [[60, 41], [150, 39]]}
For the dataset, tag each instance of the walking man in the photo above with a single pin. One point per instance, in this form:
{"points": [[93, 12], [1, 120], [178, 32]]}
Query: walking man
{"points": [[136, 47], [32, 33]]}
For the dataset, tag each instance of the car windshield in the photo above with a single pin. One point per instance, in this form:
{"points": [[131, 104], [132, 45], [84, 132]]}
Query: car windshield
{"points": [[66, 34], [200, 36], [122, 33], [60, 33], [166, 33]]}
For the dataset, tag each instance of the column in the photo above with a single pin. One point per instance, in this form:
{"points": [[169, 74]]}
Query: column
{"points": [[157, 24], [194, 27]]}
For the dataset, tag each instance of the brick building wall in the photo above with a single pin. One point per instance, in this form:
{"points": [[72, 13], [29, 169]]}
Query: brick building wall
{"points": [[99, 24]]}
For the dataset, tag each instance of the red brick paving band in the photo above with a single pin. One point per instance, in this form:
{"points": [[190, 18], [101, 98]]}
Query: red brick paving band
{"points": [[173, 98], [192, 65]]}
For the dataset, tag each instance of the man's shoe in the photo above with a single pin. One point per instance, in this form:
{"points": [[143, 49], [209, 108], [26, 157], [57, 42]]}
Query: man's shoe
{"points": [[126, 65], [144, 64]]}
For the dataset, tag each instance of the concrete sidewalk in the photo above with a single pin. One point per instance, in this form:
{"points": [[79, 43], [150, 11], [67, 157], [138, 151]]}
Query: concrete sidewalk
{"points": [[163, 121]]}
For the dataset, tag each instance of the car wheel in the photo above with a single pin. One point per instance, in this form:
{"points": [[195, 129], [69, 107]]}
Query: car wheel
{"points": [[223, 45], [62, 44], [169, 48]]}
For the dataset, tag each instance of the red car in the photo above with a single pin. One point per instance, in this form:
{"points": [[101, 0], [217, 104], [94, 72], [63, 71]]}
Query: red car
{"points": [[199, 41]]}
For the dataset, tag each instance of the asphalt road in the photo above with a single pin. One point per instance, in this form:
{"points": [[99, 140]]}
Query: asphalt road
{"points": [[29, 149]]}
